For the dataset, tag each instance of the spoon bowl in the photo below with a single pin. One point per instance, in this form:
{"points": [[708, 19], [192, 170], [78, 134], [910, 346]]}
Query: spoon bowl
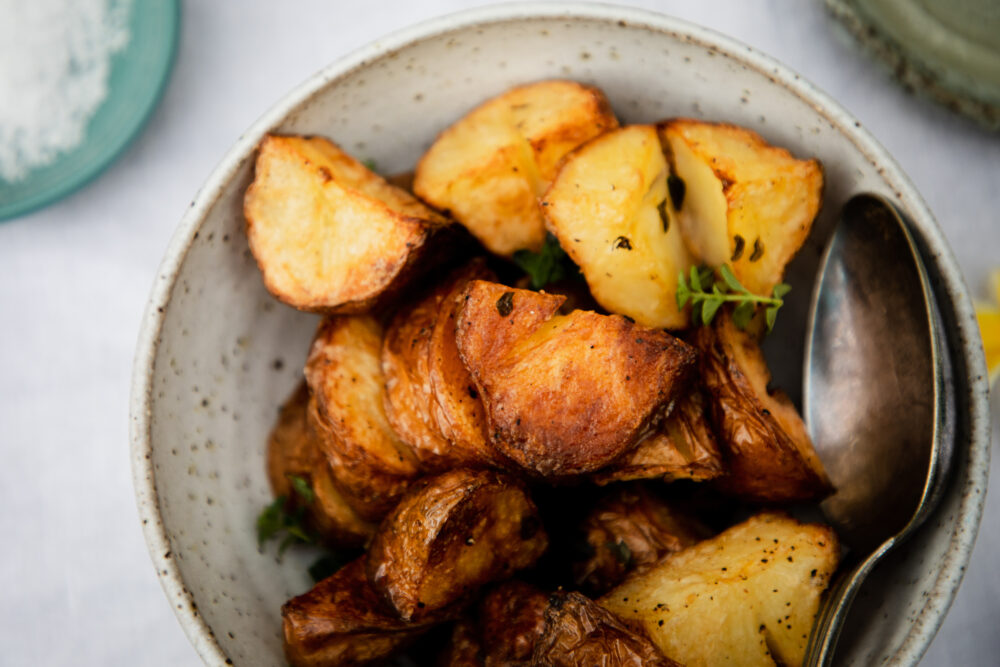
{"points": [[875, 397]]}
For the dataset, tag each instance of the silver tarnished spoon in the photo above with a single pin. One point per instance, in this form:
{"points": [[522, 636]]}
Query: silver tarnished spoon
{"points": [[876, 397]]}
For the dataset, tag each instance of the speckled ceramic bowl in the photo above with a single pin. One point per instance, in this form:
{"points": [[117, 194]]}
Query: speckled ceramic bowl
{"points": [[217, 354]]}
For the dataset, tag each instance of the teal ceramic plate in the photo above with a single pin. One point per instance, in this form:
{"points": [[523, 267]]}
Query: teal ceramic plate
{"points": [[948, 50], [138, 76]]}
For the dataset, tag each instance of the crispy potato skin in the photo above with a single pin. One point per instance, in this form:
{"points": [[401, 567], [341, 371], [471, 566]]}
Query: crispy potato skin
{"points": [[754, 590], [309, 203], [465, 648], [512, 619], [682, 447], [343, 622], [629, 530], [578, 631], [745, 188], [609, 208], [566, 394], [455, 405], [450, 535], [768, 453], [489, 168], [370, 466], [293, 450], [428, 399]]}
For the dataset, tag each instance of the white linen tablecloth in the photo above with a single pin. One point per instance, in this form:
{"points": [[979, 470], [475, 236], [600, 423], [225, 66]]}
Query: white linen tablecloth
{"points": [[76, 584]]}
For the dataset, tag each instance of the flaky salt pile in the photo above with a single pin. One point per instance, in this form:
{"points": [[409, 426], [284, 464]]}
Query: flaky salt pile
{"points": [[55, 60]]}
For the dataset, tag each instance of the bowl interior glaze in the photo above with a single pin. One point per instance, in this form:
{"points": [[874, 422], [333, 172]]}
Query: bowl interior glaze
{"points": [[217, 354]]}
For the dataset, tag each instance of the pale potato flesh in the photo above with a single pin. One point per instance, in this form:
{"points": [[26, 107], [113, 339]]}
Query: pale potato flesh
{"points": [[745, 597], [746, 203], [490, 167], [328, 234], [609, 209]]}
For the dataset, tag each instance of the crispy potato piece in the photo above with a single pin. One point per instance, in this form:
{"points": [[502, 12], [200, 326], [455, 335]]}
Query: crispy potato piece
{"points": [[369, 464], [629, 530], [512, 619], [329, 235], [431, 400], [682, 447], [464, 649], [753, 590], [342, 621], [608, 207], [450, 535], [490, 167], [745, 202], [768, 453], [578, 631], [565, 394], [293, 450]]}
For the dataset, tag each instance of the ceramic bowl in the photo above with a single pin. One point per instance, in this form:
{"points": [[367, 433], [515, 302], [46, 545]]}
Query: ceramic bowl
{"points": [[217, 354]]}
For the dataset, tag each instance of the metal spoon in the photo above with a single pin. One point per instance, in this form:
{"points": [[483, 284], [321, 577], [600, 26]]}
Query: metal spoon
{"points": [[876, 399]]}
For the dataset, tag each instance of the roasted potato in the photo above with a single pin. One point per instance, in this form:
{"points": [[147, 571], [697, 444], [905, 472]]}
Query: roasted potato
{"points": [[769, 456], [682, 447], [744, 202], [455, 403], [608, 207], [369, 464], [565, 394], [342, 621], [431, 400], [747, 596], [464, 649], [490, 167], [450, 535], [512, 619], [293, 450], [329, 235], [629, 530], [578, 631]]}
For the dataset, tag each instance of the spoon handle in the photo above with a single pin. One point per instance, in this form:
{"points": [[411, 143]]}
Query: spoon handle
{"points": [[830, 620]]}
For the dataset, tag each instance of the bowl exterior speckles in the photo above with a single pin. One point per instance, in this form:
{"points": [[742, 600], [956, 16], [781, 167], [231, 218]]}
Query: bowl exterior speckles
{"points": [[217, 354]]}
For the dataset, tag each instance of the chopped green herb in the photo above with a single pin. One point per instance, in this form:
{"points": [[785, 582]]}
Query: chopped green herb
{"points": [[707, 292], [548, 265], [505, 304], [370, 164], [281, 516], [621, 552], [302, 488]]}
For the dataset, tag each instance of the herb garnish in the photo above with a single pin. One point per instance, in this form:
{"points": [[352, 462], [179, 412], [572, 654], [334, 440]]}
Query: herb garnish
{"points": [[288, 517], [548, 265], [370, 164], [621, 552], [707, 292]]}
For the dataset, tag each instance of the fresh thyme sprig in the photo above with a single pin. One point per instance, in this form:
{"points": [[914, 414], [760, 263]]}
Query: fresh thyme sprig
{"points": [[707, 292]]}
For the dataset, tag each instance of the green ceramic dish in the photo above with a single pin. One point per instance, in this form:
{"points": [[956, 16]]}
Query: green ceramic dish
{"points": [[947, 50], [139, 74]]}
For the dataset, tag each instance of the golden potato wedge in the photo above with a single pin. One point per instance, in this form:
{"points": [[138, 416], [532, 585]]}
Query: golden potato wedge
{"points": [[609, 208], [369, 464], [294, 451], [342, 621], [629, 530], [752, 591], [682, 447], [745, 202], [512, 619], [579, 631], [329, 235], [464, 649], [490, 167], [768, 453], [450, 535], [565, 394], [431, 400]]}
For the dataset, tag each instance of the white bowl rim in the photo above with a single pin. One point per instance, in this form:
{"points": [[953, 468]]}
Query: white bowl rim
{"points": [[966, 330]]}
